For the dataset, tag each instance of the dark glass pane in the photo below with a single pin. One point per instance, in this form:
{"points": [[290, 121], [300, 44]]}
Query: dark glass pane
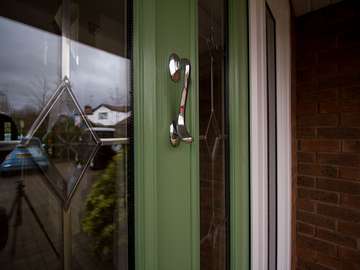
{"points": [[213, 135]]}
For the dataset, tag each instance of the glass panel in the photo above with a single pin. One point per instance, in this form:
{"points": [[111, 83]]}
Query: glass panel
{"points": [[30, 52], [64, 150], [214, 136], [100, 75], [68, 143], [272, 137]]}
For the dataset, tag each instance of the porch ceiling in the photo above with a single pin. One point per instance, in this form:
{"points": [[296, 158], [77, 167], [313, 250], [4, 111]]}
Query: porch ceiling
{"points": [[302, 7]]}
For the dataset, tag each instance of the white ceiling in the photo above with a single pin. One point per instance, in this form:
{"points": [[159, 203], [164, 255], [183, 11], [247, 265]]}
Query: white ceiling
{"points": [[302, 7]]}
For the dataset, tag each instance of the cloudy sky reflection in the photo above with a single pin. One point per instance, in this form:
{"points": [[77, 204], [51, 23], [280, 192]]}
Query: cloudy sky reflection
{"points": [[30, 69]]}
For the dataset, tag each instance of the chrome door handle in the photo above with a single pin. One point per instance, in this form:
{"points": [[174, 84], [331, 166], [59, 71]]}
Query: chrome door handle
{"points": [[178, 129]]}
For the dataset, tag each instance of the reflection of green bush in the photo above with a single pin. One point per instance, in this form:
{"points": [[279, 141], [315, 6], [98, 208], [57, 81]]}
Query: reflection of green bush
{"points": [[62, 134], [100, 211]]}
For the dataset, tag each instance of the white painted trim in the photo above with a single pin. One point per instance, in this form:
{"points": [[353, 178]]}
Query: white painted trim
{"points": [[258, 116], [258, 137], [281, 12]]}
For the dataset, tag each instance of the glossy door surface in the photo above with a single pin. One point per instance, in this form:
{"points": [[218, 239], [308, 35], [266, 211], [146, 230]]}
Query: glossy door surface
{"points": [[166, 177]]}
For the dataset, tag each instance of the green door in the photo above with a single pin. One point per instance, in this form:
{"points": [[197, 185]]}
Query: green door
{"points": [[166, 200], [192, 200], [89, 178]]}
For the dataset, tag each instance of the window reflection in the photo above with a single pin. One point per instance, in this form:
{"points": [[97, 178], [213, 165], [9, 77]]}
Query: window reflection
{"points": [[100, 75], [29, 70], [36, 177]]}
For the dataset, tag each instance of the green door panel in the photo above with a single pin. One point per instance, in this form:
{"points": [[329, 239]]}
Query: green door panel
{"points": [[239, 136], [167, 179], [166, 204]]}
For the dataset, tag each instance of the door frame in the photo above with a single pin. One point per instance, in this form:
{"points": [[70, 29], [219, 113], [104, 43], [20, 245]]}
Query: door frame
{"points": [[150, 79], [259, 148], [239, 138]]}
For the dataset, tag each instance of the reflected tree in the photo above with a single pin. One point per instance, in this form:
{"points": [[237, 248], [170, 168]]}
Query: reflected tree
{"points": [[4, 104], [24, 118], [105, 210], [41, 91]]}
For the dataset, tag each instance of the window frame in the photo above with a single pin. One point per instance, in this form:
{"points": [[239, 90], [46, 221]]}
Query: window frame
{"points": [[258, 131]]}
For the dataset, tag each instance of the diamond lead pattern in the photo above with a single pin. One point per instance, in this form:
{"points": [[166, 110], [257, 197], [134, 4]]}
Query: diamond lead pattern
{"points": [[212, 135], [68, 142]]}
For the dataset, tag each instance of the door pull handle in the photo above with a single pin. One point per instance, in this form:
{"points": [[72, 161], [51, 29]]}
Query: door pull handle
{"points": [[178, 129]]}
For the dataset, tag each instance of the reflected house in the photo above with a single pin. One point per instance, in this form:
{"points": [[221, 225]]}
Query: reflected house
{"points": [[8, 135], [107, 115], [8, 128]]}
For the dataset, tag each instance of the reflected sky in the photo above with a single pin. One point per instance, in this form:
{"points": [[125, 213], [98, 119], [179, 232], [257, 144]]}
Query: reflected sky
{"points": [[30, 68]]}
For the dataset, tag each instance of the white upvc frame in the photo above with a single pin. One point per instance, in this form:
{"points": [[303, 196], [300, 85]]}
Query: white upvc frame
{"points": [[258, 117]]}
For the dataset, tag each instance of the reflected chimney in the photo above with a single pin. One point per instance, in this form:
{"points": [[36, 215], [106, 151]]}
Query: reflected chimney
{"points": [[88, 109]]}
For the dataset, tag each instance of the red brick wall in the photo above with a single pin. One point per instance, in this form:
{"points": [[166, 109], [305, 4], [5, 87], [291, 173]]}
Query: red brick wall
{"points": [[327, 138]]}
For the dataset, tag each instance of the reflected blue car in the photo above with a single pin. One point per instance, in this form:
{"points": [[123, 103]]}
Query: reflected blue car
{"points": [[24, 158]]}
